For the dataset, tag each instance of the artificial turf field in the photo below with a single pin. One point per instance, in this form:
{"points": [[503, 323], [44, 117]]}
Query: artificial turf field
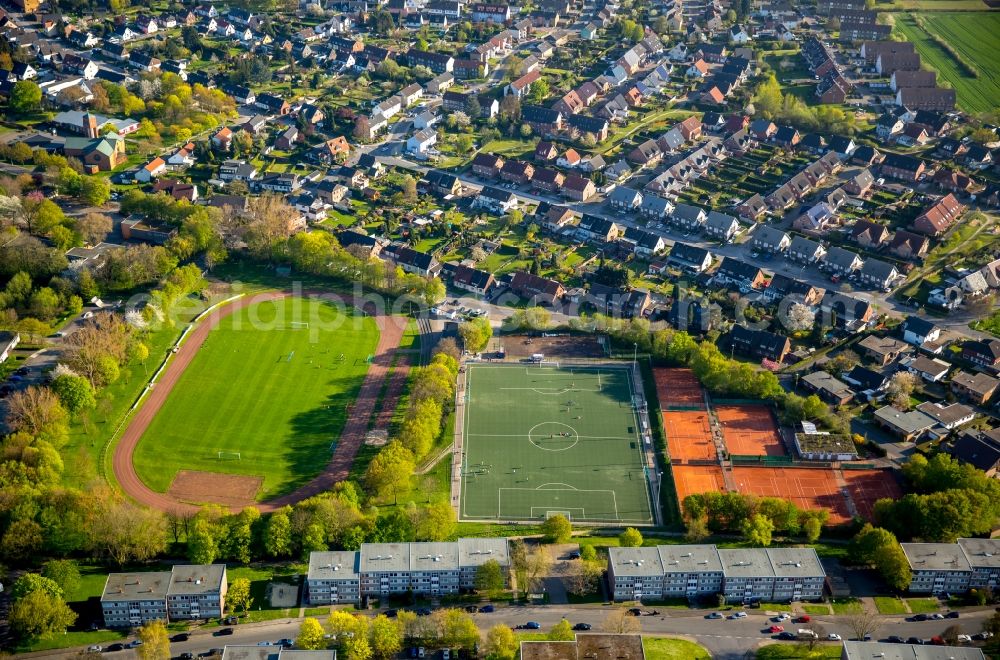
{"points": [[264, 387], [545, 440]]}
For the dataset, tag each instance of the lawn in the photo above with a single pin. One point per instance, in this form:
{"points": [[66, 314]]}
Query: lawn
{"points": [[666, 648], [268, 393], [844, 606], [816, 610], [887, 605], [976, 37], [798, 652], [923, 605], [527, 465], [71, 639]]}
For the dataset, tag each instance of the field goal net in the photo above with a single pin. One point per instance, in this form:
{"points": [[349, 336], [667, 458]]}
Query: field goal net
{"points": [[566, 514], [229, 456]]}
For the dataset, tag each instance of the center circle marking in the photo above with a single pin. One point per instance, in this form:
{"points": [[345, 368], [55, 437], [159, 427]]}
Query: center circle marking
{"points": [[539, 436]]}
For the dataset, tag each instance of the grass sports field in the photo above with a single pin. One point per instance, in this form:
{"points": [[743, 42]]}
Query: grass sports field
{"points": [[976, 36], [546, 440], [270, 394]]}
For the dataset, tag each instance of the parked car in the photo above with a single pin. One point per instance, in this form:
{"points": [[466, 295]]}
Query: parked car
{"points": [[187, 655], [421, 652], [94, 649], [486, 609], [914, 640], [391, 613], [775, 629], [738, 615], [920, 617], [951, 615], [471, 609], [532, 625], [787, 635], [715, 615], [445, 654], [423, 611], [230, 620], [896, 639], [833, 637], [223, 631], [111, 648], [180, 637], [575, 554], [582, 626]]}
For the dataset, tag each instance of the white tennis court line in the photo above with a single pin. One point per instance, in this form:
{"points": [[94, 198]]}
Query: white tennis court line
{"points": [[525, 435]]}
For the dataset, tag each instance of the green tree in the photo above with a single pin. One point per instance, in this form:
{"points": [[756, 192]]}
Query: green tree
{"points": [[475, 334], [489, 577], [95, 191], [202, 545], [588, 553], [238, 596], [436, 522], [630, 538], [557, 529], [40, 615], [310, 636], [539, 91], [562, 632], [314, 540], [29, 583], [25, 97], [155, 643], [457, 629], [386, 637], [501, 643], [75, 393], [758, 530], [64, 572], [278, 534], [390, 471]]}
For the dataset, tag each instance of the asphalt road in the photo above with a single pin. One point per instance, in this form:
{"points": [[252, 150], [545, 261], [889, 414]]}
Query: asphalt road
{"points": [[726, 639]]}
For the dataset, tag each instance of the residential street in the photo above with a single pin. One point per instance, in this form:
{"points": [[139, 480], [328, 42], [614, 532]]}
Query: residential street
{"points": [[727, 639]]}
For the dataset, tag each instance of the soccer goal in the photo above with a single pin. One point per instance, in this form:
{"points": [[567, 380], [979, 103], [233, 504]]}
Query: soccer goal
{"points": [[229, 456], [298, 325], [565, 514]]}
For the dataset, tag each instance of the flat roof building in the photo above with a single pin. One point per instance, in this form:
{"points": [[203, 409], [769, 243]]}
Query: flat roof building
{"points": [[937, 567], [394, 568], [133, 599], [333, 578], [887, 651], [671, 571]]}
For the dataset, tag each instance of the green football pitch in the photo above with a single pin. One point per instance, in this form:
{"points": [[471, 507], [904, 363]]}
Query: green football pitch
{"points": [[266, 395], [542, 440]]}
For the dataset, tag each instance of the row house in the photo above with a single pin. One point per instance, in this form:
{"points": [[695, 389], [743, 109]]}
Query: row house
{"points": [[690, 258], [939, 217], [760, 343], [745, 276], [436, 62], [805, 251]]}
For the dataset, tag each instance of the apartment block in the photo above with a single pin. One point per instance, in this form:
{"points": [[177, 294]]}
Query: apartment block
{"points": [[196, 591], [953, 567], [937, 567], [695, 571], [132, 599], [333, 578], [380, 569]]}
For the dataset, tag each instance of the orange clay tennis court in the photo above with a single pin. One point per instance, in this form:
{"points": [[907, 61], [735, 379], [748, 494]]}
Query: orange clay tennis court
{"points": [[693, 479], [689, 436], [678, 387], [808, 488], [750, 430], [869, 486]]}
